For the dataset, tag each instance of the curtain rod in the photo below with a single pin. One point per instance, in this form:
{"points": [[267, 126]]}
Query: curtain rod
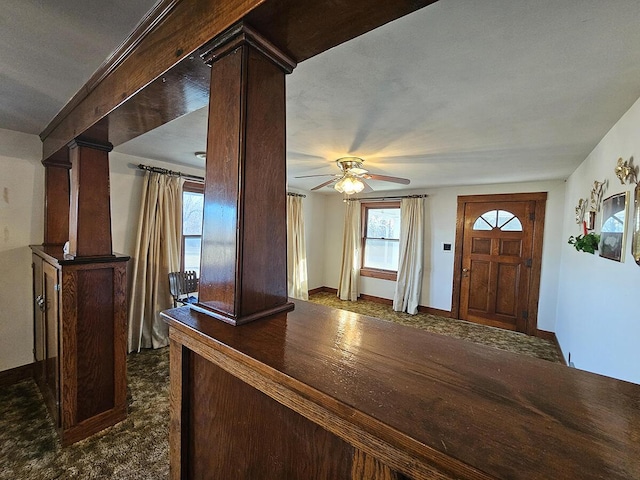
{"points": [[397, 197], [164, 171]]}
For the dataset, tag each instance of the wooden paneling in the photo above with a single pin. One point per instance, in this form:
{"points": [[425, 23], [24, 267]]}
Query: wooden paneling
{"points": [[53, 354], [90, 212], [243, 269], [39, 335], [507, 289], [95, 348], [85, 380], [251, 431], [365, 467], [56, 203], [479, 280], [424, 405]]}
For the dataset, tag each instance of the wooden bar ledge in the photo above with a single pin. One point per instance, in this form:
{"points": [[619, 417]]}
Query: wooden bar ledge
{"points": [[325, 393]]}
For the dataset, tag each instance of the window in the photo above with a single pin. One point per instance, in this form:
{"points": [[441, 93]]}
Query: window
{"points": [[501, 219], [380, 240], [192, 212]]}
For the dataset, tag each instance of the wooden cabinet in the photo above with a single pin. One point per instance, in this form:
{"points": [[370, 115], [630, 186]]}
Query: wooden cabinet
{"points": [[80, 322]]}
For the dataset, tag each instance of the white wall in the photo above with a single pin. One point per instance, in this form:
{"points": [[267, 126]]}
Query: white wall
{"points": [[313, 207], [440, 227], [598, 316], [21, 224]]}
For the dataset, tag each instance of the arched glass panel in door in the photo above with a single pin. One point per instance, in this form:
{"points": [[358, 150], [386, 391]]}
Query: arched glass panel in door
{"points": [[500, 219]]}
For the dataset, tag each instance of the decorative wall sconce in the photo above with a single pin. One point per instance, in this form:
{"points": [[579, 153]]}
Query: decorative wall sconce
{"points": [[626, 171], [596, 194], [581, 210]]}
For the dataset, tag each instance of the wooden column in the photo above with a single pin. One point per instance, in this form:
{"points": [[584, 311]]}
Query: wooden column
{"points": [[90, 211], [243, 268], [56, 202]]}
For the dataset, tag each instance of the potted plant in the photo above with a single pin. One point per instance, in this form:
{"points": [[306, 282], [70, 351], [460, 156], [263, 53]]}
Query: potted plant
{"points": [[587, 243]]}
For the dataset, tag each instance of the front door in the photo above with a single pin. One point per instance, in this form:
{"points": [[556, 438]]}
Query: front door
{"points": [[499, 263]]}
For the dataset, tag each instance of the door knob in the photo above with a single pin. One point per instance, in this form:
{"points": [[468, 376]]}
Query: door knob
{"points": [[465, 269]]}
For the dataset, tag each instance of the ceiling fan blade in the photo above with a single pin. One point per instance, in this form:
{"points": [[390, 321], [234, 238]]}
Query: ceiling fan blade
{"points": [[333, 180], [385, 178], [367, 188], [319, 175]]}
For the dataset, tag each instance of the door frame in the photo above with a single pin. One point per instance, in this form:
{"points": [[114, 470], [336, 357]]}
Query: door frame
{"points": [[540, 199]]}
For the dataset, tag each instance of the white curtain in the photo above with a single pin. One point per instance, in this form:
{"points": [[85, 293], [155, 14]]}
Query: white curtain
{"points": [[351, 246], [409, 281], [297, 285], [157, 253]]}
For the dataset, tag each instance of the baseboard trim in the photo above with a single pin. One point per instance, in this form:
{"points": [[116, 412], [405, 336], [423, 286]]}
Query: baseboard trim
{"points": [[384, 301], [313, 291], [551, 337], [371, 298], [435, 311], [15, 375]]}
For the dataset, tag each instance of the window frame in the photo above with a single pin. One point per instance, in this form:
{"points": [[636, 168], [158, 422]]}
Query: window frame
{"points": [[192, 187], [368, 271]]}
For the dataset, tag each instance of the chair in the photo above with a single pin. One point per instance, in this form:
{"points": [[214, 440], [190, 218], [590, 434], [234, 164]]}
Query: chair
{"points": [[181, 284]]}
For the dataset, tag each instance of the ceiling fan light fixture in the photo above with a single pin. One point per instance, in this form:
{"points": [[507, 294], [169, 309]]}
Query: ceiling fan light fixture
{"points": [[349, 185]]}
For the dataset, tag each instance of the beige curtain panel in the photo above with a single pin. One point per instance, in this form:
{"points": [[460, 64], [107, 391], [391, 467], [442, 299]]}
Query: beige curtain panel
{"points": [[350, 272], [409, 283], [297, 283], [157, 253]]}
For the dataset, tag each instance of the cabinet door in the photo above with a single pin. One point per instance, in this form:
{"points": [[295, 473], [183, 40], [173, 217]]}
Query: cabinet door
{"points": [[39, 334], [52, 336]]}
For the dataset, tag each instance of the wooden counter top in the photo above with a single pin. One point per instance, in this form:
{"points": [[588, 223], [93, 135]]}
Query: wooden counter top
{"points": [[416, 398], [55, 255]]}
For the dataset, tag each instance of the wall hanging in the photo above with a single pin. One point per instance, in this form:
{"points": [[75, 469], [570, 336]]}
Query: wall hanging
{"points": [[580, 211], [612, 234], [626, 171], [635, 241]]}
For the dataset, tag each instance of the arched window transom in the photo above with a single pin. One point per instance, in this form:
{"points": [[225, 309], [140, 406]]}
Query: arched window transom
{"points": [[500, 219]]}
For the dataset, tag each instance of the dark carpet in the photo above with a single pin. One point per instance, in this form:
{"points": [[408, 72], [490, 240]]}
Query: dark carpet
{"points": [[137, 448]]}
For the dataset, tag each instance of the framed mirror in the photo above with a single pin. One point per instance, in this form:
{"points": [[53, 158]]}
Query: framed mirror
{"points": [[635, 241], [612, 234]]}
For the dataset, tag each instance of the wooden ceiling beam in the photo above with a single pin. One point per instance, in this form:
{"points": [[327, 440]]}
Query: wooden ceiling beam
{"points": [[156, 75]]}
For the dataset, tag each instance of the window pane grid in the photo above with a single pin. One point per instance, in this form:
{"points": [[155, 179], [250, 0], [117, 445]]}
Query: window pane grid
{"points": [[381, 238], [192, 213], [501, 219]]}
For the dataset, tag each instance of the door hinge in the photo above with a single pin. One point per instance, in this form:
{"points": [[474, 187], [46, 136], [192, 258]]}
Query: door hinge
{"points": [[525, 315], [532, 216], [528, 262], [56, 287]]}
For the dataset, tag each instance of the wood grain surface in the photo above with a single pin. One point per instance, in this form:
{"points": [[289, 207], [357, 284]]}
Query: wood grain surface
{"points": [[86, 389], [243, 273], [425, 405]]}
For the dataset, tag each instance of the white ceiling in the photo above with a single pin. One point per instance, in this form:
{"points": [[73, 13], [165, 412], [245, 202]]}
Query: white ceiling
{"points": [[458, 93]]}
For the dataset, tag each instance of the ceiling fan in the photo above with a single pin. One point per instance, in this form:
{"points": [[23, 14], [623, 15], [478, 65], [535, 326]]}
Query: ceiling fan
{"points": [[353, 176]]}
